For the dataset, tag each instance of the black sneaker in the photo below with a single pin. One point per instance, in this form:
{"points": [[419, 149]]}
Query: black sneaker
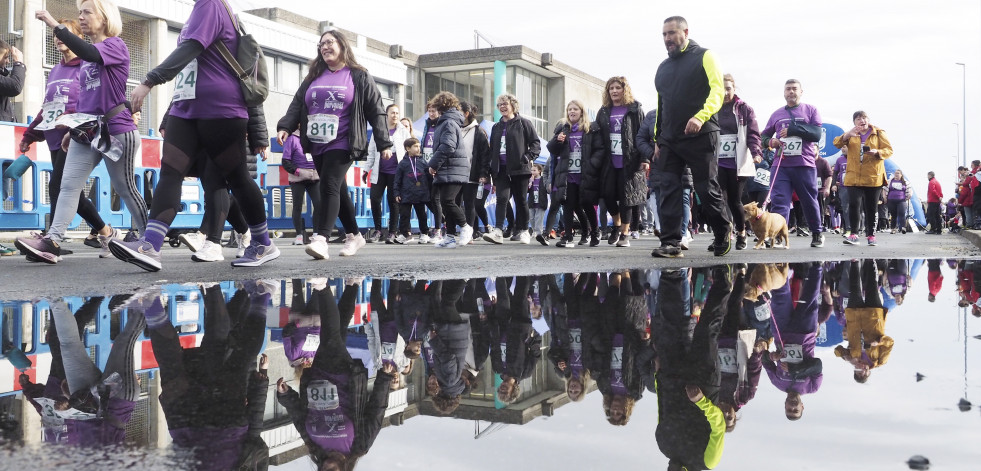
{"points": [[92, 242], [723, 246], [711, 247], [817, 240], [740, 242], [667, 251], [594, 239], [584, 239], [542, 239], [614, 237], [508, 233], [565, 242]]}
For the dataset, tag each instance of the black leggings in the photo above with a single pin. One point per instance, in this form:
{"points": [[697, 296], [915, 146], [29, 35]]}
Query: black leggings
{"points": [[553, 213], [332, 167], [86, 208], [897, 209], [613, 194], [223, 141], [299, 190], [219, 206], [573, 206], [479, 207], [405, 218], [863, 288], [732, 191], [472, 207], [448, 193], [386, 181], [866, 199], [517, 186], [436, 207]]}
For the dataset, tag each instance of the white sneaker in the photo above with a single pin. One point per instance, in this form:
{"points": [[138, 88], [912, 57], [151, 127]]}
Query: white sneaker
{"points": [[318, 248], [299, 240], [435, 238], [447, 242], [402, 239], [685, 240], [524, 237], [243, 241], [423, 239], [352, 244], [318, 283], [194, 241], [466, 235], [635, 235], [209, 252]]}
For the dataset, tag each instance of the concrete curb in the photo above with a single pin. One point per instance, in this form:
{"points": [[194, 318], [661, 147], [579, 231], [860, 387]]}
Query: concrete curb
{"points": [[973, 237]]}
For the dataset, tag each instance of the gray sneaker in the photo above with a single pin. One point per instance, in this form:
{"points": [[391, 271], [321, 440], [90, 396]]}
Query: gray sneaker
{"points": [[256, 254], [104, 243], [140, 253], [667, 251], [495, 236]]}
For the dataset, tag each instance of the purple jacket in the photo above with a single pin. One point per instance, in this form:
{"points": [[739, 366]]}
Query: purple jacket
{"points": [[897, 189]]}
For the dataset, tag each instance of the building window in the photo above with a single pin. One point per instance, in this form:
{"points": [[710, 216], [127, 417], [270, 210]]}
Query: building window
{"points": [[410, 90], [531, 90]]}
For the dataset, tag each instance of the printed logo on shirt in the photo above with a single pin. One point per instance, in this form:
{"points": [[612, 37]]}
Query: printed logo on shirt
{"points": [[92, 77], [333, 99]]}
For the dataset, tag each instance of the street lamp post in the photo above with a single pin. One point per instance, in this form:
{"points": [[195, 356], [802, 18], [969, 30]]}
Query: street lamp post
{"points": [[964, 111]]}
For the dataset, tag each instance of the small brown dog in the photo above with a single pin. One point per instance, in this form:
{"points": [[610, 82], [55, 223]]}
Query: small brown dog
{"points": [[767, 226], [766, 277]]}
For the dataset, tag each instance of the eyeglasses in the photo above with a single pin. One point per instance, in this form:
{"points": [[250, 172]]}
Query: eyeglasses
{"points": [[327, 43]]}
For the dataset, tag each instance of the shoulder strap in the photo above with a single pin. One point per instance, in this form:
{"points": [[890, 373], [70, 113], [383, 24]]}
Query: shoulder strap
{"points": [[223, 50]]}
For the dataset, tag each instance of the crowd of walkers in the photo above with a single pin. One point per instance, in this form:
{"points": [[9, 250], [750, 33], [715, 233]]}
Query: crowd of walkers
{"points": [[686, 167]]}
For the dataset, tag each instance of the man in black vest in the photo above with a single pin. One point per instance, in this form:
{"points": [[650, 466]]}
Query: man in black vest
{"points": [[690, 92]]}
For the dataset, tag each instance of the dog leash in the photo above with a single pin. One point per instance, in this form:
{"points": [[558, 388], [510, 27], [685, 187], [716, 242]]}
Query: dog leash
{"points": [[778, 158]]}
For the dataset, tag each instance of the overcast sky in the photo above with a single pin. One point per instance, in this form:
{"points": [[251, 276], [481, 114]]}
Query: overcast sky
{"points": [[893, 59]]}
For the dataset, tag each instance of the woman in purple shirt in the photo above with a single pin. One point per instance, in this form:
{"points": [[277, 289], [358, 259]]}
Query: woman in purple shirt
{"points": [[571, 147], [61, 96], [103, 73], [335, 100], [897, 200], [208, 117]]}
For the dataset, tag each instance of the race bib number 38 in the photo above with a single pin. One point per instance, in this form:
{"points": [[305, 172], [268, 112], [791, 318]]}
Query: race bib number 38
{"points": [[185, 84], [322, 128], [322, 395]]}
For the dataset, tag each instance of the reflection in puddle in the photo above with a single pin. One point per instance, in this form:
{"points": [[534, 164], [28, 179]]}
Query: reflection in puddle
{"points": [[250, 374]]}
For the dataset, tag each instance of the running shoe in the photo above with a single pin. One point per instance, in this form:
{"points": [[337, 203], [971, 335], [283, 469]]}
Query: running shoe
{"points": [[722, 245], [447, 242], [104, 243], [466, 235], [423, 238], [584, 239], [131, 236], [39, 249], [298, 240], [256, 254], [374, 236], [193, 241], [871, 240], [740, 242], [494, 236], [635, 235], [566, 242], [623, 242], [140, 253], [6, 251], [209, 252], [614, 237], [353, 243], [542, 239], [92, 240], [817, 240], [667, 251], [852, 239], [242, 242], [524, 237], [390, 238], [403, 239], [318, 248], [685, 240]]}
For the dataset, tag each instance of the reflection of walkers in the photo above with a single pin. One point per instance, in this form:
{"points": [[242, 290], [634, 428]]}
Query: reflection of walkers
{"points": [[935, 279], [212, 395], [70, 413], [515, 346], [793, 368], [690, 93], [449, 340], [865, 322], [623, 336], [691, 427], [334, 413]]}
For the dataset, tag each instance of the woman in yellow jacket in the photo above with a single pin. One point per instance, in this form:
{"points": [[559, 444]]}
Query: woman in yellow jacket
{"points": [[865, 322], [866, 147]]}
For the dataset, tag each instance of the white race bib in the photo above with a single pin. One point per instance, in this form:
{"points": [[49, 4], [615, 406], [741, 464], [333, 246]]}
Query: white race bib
{"points": [[795, 353], [576, 335], [73, 120], [322, 128], [311, 343], [186, 82], [727, 360], [727, 146], [616, 359], [616, 146], [504, 145], [762, 176], [897, 185], [762, 313], [792, 146], [322, 395], [388, 351], [504, 353], [50, 112], [575, 162], [897, 289]]}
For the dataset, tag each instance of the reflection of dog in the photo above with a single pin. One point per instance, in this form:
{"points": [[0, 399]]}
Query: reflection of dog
{"points": [[766, 277], [767, 226]]}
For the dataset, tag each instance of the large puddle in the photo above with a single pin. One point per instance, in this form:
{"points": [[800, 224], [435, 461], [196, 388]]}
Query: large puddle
{"points": [[823, 365]]}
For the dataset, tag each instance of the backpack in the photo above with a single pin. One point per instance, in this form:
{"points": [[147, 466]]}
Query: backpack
{"points": [[249, 64]]}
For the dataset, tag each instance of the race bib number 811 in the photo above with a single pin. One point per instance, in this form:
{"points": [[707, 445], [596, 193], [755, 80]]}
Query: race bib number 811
{"points": [[322, 128], [322, 395]]}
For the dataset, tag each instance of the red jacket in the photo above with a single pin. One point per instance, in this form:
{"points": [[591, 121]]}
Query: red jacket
{"points": [[935, 194], [966, 197]]}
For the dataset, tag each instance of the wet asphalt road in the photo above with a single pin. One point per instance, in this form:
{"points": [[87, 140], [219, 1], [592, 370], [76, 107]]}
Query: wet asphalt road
{"points": [[84, 273]]}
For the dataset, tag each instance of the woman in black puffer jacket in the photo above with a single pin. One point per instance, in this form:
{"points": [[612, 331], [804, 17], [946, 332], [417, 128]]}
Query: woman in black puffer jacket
{"points": [[450, 167]]}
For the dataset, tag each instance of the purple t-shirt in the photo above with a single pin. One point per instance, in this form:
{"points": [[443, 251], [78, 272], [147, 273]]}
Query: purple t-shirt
{"points": [[504, 146], [796, 152], [95, 432], [103, 86], [533, 194], [840, 168], [329, 101], [575, 155], [60, 96], [389, 166], [215, 448], [897, 189], [727, 125], [302, 343], [616, 367], [616, 126], [206, 88], [293, 151], [329, 424]]}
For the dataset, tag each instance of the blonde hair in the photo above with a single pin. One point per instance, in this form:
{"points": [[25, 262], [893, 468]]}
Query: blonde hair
{"points": [[110, 15], [513, 100], [628, 95], [583, 119]]}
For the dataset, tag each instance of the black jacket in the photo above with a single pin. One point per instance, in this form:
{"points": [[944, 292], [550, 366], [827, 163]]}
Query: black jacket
{"points": [[450, 160], [405, 182], [632, 178], [480, 149], [561, 159], [11, 85], [523, 147], [366, 108]]}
